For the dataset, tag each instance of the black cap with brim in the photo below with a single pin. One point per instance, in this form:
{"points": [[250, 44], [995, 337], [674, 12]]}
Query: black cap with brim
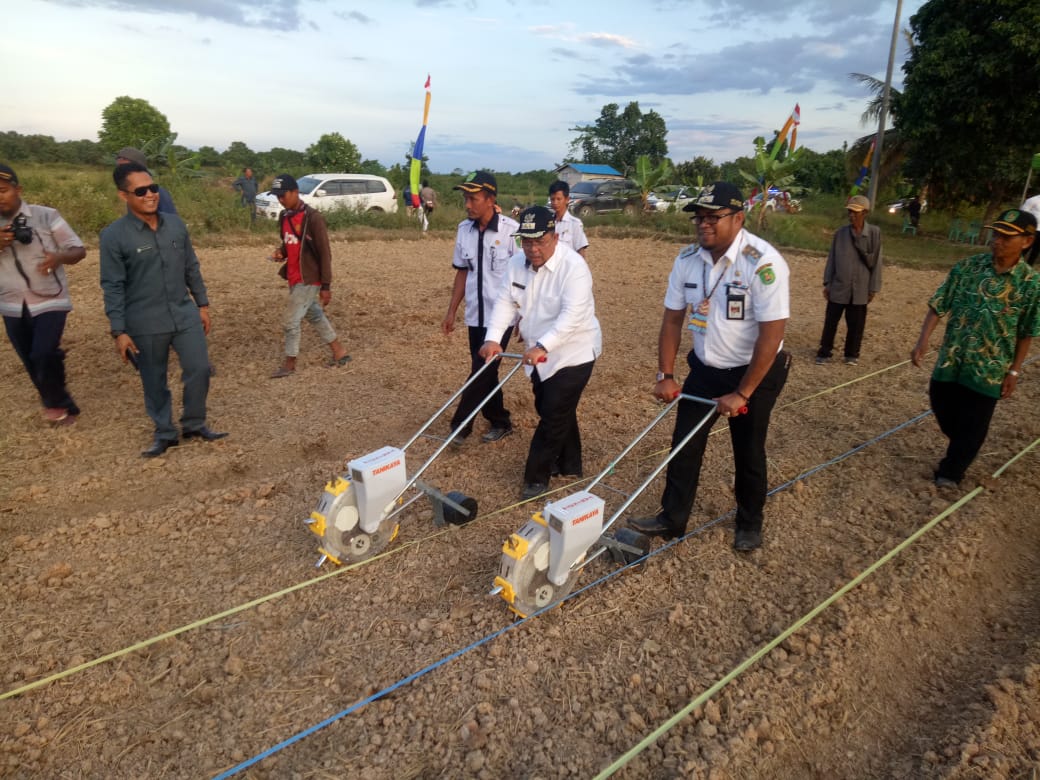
{"points": [[1014, 222], [535, 222], [7, 174], [283, 183], [719, 195], [477, 181]]}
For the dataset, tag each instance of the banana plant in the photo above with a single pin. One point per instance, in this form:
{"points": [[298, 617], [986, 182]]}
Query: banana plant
{"points": [[648, 177], [771, 172]]}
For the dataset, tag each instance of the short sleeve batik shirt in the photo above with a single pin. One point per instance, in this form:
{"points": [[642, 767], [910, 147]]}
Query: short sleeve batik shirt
{"points": [[988, 313]]}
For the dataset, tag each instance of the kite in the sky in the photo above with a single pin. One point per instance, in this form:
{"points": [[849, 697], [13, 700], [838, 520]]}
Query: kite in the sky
{"points": [[795, 119], [417, 151]]}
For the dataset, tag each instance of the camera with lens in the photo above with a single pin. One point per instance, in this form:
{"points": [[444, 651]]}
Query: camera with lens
{"points": [[23, 234]]}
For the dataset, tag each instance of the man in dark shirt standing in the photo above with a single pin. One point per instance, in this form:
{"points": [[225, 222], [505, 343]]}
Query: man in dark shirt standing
{"points": [[246, 185], [155, 299]]}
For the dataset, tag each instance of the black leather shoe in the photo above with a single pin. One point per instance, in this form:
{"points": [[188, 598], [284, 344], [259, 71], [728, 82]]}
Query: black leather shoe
{"points": [[746, 540], [533, 490], [495, 434], [159, 447], [654, 526], [203, 433]]}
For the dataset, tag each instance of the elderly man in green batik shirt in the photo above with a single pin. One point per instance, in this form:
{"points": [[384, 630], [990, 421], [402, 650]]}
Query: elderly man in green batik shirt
{"points": [[993, 303]]}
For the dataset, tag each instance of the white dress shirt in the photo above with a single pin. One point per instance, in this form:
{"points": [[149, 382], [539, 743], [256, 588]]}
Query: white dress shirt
{"points": [[557, 309], [571, 231]]}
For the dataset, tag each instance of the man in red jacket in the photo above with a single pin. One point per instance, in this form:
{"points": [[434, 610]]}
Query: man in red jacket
{"points": [[308, 269]]}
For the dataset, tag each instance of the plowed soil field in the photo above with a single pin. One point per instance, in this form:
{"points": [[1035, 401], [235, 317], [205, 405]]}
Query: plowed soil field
{"points": [[928, 669]]}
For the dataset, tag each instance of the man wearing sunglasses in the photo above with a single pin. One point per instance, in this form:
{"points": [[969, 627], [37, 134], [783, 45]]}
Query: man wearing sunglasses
{"points": [[35, 246], [156, 300], [735, 287]]}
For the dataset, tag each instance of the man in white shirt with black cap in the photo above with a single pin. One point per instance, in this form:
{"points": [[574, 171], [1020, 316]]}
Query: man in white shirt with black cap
{"points": [[483, 245], [735, 287], [549, 285]]}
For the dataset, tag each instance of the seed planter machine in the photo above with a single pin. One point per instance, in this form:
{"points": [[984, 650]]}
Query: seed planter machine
{"points": [[541, 562], [356, 516]]}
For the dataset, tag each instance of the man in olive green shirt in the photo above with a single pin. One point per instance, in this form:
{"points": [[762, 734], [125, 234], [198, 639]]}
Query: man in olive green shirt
{"points": [[993, 303], [155, 299]]}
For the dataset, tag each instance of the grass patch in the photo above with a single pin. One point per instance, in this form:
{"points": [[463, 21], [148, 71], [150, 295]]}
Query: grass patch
{"points": [[86, 197]]}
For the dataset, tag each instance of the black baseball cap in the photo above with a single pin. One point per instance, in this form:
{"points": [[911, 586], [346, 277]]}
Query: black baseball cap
{"points": [[1015, 222], [535, 222], [7, 174], [283, 183], [477, 181], [716, 196]]}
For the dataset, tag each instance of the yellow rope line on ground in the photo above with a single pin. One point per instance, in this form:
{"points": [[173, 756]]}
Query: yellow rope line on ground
{"points": [[700, 700], [205, 621]]}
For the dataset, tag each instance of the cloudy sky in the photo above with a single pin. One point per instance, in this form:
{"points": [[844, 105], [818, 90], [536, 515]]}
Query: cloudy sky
{"points": [[509, 79]]}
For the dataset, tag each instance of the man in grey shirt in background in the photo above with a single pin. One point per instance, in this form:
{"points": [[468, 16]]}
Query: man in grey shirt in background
{"points": [[851, 279]]}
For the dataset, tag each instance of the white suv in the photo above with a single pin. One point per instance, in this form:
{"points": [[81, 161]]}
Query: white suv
{"points": [[330, 191]]}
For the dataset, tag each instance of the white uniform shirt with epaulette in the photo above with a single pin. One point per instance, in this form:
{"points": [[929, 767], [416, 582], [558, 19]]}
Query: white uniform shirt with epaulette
{"points": [[748, 285], [484, 282], [571, 231]]}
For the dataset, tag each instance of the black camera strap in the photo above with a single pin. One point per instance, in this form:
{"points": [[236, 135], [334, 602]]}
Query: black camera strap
{"points": [[21, 271]]}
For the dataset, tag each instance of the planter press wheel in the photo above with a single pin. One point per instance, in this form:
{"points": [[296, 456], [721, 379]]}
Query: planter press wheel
{"points": [[454, 516], [355, 545], [533, 589]]}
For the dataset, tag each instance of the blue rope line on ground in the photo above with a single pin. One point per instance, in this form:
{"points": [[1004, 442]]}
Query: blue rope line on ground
{"points": [[494, 635]]}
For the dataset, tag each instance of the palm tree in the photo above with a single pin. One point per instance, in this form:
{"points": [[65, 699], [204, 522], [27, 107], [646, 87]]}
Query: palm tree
{"points": [[894, 148]]}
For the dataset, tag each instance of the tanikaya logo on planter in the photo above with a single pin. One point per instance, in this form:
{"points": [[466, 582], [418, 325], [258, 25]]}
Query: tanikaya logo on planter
{"points": [[387, 467]]}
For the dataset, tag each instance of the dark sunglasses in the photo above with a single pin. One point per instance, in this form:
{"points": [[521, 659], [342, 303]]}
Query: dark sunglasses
{"points": [[142, 191]]}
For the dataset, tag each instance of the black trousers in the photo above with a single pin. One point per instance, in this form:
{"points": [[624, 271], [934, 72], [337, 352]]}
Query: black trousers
{"points": [[557, 440], [747, 434], [855, 324], [494, 410], [37, 342], [964, 417]]}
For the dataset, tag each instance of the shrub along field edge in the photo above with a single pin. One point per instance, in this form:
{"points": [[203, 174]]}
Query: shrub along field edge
{"points": [[86, 197]]}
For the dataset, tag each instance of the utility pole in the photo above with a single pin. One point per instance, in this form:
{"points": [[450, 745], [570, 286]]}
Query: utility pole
{"points": [[876, 162]]}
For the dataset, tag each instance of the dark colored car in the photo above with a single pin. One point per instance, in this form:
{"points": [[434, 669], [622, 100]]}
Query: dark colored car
{"points": [[604, 197]]}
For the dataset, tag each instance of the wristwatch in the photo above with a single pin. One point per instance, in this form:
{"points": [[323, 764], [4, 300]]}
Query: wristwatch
{"points": [[661, 376], [1012, 372]]}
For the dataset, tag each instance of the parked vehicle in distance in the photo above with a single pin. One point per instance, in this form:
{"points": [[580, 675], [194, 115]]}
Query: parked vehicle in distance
{"points": [[664, 198], [331, 191], [902, 203], [605, 196]]}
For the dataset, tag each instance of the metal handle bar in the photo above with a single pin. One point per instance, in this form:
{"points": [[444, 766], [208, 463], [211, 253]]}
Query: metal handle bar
{"points": [[664, 412], [444, 445], [459, 392], [675, 450]]}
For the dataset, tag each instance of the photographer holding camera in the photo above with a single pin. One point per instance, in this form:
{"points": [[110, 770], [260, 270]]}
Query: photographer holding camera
{"points": [[35, 246]]}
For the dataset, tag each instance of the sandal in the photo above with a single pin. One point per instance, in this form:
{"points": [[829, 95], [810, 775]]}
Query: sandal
{"points": [[55, 415], [340, 362], [282, 372]]}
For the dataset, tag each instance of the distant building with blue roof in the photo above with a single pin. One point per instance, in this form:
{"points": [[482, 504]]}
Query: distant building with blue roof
{"points": [[572, 173]]}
